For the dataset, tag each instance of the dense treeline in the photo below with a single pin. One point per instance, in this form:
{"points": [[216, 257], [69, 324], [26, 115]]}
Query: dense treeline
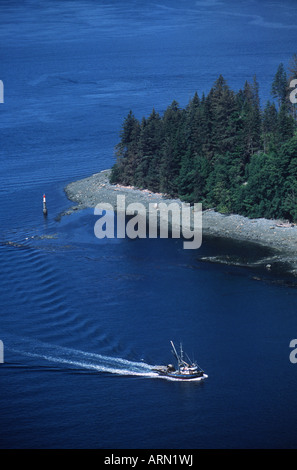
{"points": [[222, 149]]}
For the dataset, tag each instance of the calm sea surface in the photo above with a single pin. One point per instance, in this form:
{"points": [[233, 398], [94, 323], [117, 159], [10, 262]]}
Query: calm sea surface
{"points": [[82, 319]]}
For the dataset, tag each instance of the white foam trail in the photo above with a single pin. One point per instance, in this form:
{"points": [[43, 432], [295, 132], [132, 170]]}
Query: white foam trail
{"points": [[77, 358], [91, 366]]}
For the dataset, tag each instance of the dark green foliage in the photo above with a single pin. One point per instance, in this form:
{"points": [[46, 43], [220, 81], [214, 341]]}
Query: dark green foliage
{"points": [[127, 152], [269, 126], [279, 85], [285, 125], [222, 150]]}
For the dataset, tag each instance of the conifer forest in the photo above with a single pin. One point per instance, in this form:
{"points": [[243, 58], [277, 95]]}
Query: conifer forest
{"points": [[224, 149]]}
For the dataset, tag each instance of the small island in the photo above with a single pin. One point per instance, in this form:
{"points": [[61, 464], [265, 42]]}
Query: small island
{"points": [[224, 151]]}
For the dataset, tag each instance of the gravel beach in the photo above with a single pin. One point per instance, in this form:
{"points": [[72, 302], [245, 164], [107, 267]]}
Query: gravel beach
{"points": [[280, 237]]}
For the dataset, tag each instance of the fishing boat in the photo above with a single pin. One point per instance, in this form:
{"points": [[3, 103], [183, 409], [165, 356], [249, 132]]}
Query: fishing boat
{"points": [[185, 370]]}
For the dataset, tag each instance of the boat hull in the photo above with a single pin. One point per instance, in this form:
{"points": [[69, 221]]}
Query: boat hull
{"points": [[164, 372]]}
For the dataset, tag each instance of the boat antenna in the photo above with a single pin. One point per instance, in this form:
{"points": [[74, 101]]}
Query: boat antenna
{"points": [[191, 361]]}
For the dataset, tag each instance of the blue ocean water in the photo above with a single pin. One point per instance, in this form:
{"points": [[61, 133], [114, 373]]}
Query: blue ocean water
{"points": [[83, 320]]}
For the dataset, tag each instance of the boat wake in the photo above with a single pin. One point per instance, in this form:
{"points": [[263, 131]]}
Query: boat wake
{"points": [[76, 358], [81, 360]]}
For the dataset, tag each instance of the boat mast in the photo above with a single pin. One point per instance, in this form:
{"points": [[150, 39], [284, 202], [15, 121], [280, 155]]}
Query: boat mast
{"points": [[180, 360]]}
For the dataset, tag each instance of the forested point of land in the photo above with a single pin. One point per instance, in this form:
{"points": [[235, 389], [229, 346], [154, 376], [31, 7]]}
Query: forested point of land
{"points": [[224, 150]]}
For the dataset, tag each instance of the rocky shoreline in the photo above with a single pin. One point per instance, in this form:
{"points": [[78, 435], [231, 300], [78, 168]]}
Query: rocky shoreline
{"points": [[276, 235]]}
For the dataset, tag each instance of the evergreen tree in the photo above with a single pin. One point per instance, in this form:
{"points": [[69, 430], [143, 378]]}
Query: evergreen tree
{"points": [[172, 148], [193, 125], [279, 86], [222, 107], [285, 125], [150, 144], [269, 126], [127, 151], [251, 120]]}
